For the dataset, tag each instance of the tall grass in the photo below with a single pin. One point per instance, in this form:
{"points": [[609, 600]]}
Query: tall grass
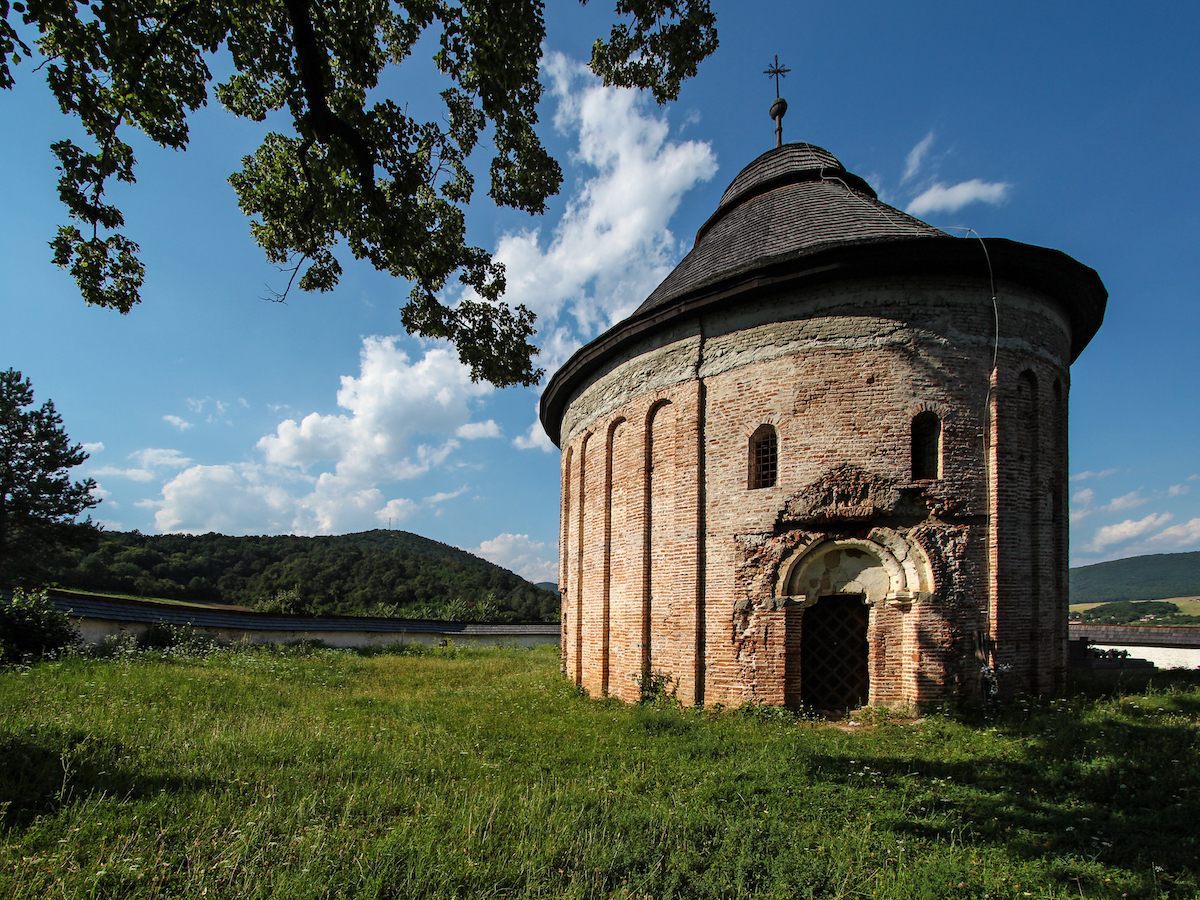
{"points": [[319, 773]]}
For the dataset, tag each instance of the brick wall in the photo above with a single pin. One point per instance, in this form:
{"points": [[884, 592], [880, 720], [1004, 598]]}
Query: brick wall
{"points": [[671, 563]]}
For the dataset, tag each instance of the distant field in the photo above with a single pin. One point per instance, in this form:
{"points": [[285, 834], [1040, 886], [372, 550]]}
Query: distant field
{"points": [[314, 773], [1189, 606]]}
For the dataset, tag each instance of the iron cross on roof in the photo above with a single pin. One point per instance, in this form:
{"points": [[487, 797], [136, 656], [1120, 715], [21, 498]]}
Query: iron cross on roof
{"points": [[776, 71], [779, 107]]}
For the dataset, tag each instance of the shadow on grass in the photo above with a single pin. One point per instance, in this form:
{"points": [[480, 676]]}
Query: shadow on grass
{"points": [[1120, 790], [43, 769]]}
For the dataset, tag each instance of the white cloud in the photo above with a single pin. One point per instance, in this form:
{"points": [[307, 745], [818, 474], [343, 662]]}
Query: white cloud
{"points": [[1121, 532], [1185, 534], [1177, 490], [534, 439], [1084, 476], [612, 245], [532, 560], [442, 496], [401, 416], [198, 405], [391, 402], [151, 463], [950, 198], [1082, 503], [118, 472], [912, 164], [1127, 501], [94, 447], [232, 499], [324, 473], [181, 424], [396, 511], [474, 430]]}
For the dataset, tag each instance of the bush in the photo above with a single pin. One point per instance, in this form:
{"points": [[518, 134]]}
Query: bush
{"points": [[32, 629], [177, 640]]}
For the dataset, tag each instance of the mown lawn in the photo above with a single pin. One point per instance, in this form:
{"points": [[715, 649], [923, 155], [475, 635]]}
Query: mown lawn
{"points": [[319, 773]]}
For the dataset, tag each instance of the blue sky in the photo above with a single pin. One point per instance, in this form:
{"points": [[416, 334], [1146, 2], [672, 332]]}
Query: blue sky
{"points": [[1067, 125]]}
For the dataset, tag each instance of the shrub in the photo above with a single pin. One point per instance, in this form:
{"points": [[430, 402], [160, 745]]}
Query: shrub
{"points": [[177, 640], [31, 628]]}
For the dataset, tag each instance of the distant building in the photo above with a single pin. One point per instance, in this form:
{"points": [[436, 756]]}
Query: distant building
{"points": [[807, 470]]}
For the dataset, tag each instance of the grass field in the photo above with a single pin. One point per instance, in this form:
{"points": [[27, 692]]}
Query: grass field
{"points": [[318, 773]]}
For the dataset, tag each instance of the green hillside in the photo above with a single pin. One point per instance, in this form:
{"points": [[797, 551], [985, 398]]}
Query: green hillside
{"points": [[1137, 578], [388, 573]]}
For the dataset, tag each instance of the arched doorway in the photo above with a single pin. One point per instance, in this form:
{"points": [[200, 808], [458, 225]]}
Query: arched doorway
{"points": [[833, 653]]}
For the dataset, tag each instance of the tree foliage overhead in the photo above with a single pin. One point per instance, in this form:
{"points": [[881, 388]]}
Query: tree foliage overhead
{"points": [[352, 167], [386, 573], [38, 500]]}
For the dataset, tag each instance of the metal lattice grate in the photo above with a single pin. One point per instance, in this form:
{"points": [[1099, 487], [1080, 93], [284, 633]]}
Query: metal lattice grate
{"points": [[833, 653], [764, 458]]}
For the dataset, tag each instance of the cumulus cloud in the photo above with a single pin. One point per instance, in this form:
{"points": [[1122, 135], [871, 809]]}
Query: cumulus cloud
{"points": [[474, 430], [396, 511], [1177, 490], [1122, 532], [404, 416], [392, 401], [151, 463], [942, 198], [325, 473], [532, 560], [912, 164], [181, 424], [535, 438], [612, 245], [1185, 534], [233, 499], [94, 447], [1126, 501]]}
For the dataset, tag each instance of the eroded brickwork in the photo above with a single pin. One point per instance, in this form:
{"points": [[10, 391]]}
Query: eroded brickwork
{"points": [[673, 563]]}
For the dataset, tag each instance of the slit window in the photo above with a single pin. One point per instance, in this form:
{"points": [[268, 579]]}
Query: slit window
{"points": [[764, 457], [926, 446]]}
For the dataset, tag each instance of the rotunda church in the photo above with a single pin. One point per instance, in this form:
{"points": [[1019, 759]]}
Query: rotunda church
{"points": [[825, 462]]}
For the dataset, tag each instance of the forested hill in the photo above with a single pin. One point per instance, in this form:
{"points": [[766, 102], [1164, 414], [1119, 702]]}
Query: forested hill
{"points": [[389, 573], [1138, 578]]}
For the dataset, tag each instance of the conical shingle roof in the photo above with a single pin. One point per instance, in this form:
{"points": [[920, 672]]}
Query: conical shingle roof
{"points": [[791, 201], [795, 218]]}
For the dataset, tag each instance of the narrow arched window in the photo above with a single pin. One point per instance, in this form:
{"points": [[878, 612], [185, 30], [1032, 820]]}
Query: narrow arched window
{"points": [[926, 446], [764, 457]]}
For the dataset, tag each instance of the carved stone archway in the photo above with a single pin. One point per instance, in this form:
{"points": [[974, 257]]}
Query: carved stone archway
{"points": [[869, 586]]}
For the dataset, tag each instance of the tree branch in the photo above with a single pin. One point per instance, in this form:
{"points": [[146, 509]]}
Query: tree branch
{"points": [[311, 58]]}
